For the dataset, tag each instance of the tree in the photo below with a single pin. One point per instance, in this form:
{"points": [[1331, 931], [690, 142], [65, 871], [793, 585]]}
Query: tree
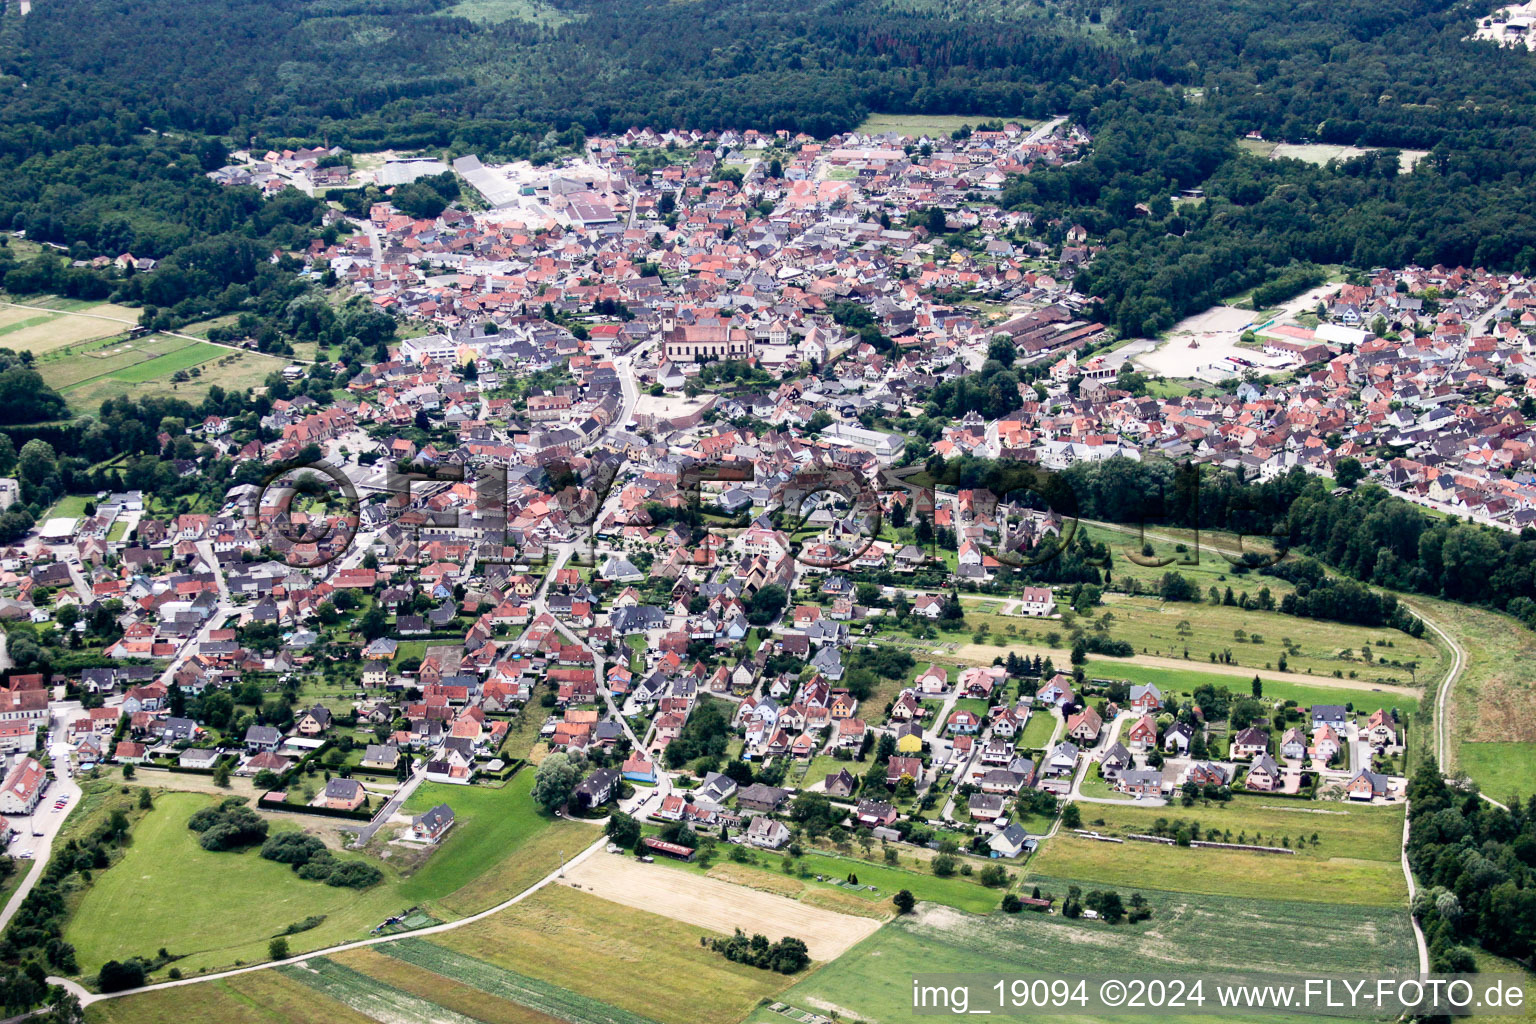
{"points": [[904, 901], [553, 782], [221, 774], [1348, 471], [623, 829], [766, 604], [277, 949], [1071, 816]]}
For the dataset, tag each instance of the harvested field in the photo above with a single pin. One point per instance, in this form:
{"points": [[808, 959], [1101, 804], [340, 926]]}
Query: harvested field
{"points": [[720, 906]]}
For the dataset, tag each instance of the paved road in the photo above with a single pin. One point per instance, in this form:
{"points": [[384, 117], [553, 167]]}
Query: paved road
{"points": [[46, 820]]}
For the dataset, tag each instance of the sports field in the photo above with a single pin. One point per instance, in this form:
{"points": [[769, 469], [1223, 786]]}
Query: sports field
{"points": [[873, 982]]}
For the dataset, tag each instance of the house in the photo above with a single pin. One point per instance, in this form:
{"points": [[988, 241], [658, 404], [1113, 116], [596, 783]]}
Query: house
{"points": [[1329, 714], [1293, 745], [842, 784], [986, 806], [1116, 760], [1250, 742], [1206, 773], [716, 788], [1140, 782], [963, 722], [17, 737], [128, 752], [1265, 775], [1366, 785], [871, 813], [429, 826], [314, 721], [1085, 726], [1143, 733], [1325, 743], [1146, 697], [758, 797], [262, 738], [596, 789], [637, 768], [23, 788], [343, 795], [1380, 729], [764, 832], [382, 757], [1010, 842], [1061, 761], [202, 758], [1177, 738], [898, 768], [1056, 691], [1037, 602]]}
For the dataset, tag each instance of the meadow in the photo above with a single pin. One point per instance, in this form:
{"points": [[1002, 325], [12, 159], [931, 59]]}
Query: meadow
{"points": [[44, 328], [228, 904], [873, 980], [932, 125], [494, 12]]}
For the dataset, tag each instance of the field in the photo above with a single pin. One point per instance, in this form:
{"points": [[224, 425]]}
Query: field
{"points": [[956, 891], [498, 846], [1039, 730], [1491, 717], [211, 908], [89, 371], [1367, 833], [494, 12], [717, 905], [1333, 880], [927, 124], [41, 330], [262, 997], [873, 981], [639, 962], [232, 903]]}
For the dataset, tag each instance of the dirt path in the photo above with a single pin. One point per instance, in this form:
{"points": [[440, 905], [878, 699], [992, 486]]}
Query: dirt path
{"points": [[719, 906]]}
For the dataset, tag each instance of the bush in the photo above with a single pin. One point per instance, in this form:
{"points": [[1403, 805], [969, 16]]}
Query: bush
{"points": [[1011, 904], [354, 874], [277, 949], [993, 876], [228, 826], [115, 977], [292, 848], [944, 865]]}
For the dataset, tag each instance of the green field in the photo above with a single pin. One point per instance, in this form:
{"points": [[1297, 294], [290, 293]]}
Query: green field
{"points": [[1178, 681], [90, 370], [499, 845], [44, 327], [262, 997], [232, 903], [1331, 880], [932, 125], [872, 981], [1038, 730], [225, 905]]}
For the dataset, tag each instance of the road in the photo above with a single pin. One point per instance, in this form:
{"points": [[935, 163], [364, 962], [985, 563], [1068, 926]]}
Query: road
{"points": [[86, 997], [393, 804], [1104, 743], [1418, 933], [45, 819]]}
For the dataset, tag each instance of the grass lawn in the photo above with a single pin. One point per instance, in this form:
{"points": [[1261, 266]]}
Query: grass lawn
{"points": [[1038, 730], [71, 506], [500, 844], [1331, 880], [226, 906], [872, 981], [648, 965], [932, 125], [265, 997], [1363, 833], [87, 373]]}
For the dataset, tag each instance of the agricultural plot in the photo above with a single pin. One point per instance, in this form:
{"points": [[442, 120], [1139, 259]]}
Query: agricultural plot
{"points": [[1331, 880], [369, 996], [932, 125], [486, 977], [262, 997], [635, 961], [1356, 832], [718, 905], [43, 331], [873, 980]]}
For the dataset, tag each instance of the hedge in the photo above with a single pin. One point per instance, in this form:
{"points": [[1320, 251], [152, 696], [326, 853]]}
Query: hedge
{"points": [[324, 812]]}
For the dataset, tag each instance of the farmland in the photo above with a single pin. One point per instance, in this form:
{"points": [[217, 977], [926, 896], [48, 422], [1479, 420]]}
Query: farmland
{"points": [[43, 330], [90, 371], [551, 937], [262, 997], [1330, 880], [718, 905], [873, 980], [932, 125]]}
